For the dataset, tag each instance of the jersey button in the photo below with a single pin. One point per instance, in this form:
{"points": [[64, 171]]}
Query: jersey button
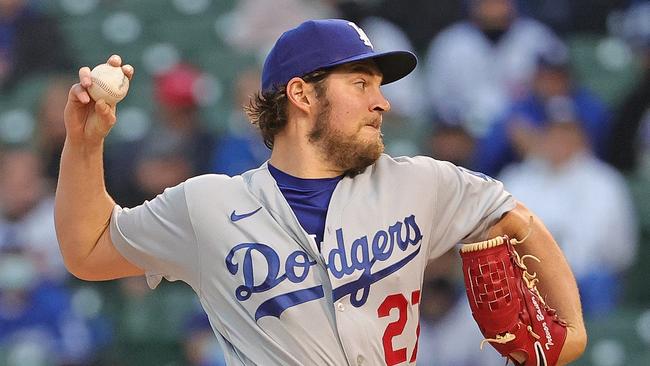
{"points": [[360, 360], [340, 306]]}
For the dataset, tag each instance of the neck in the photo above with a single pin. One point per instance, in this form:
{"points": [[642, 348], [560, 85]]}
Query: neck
{"points": [[300, 158]]}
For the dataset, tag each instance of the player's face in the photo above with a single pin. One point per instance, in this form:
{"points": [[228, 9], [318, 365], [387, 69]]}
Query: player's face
{"points": [[347, 128]]}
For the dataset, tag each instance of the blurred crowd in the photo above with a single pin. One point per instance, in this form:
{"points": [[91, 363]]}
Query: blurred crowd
{"points": [[552, 98]]}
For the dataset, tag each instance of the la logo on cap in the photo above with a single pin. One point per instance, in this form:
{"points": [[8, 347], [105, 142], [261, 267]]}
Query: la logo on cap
{"points": [[362, 34]]}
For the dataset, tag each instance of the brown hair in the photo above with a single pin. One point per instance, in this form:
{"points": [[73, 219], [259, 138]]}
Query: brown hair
{"points": [[268, 110]]}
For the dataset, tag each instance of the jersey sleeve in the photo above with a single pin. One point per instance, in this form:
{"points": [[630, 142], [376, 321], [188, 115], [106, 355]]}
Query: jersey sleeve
{"points": [[158, 237], [466, 205]]}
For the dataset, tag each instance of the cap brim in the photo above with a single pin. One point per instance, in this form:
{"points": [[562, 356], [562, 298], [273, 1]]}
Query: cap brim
{"points": [[394, 65]]}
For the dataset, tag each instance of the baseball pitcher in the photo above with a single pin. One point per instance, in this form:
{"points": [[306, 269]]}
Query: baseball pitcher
{"points": [[317, 256]]}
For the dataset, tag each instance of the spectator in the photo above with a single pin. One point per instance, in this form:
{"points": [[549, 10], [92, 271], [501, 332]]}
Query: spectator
{"points": [[51, 131], [421, 20], [255, 25], [630, 138], [595, 20], [476, 66], [37, 323], [554, 13], [149, 325], [508, 140], [161, 163], [241, 147], [450, 141], [179, 129], [176, 92], [585, 204], [26, 206], [569, 17], [629, 144], [30, 42], [201, 346]]}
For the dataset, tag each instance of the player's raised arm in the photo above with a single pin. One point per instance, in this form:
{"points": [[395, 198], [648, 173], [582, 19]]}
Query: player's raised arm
{"points": [[556, 283], [83, 207]]}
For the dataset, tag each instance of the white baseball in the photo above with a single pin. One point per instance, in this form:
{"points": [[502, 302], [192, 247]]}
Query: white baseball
{"points": [[109, 83]]}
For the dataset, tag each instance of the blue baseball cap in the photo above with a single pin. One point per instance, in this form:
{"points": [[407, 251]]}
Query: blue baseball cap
{"points": [[325, 43]]}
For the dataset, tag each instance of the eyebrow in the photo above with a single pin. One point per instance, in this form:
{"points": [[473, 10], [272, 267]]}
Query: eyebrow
{"points": [[363, 68]]}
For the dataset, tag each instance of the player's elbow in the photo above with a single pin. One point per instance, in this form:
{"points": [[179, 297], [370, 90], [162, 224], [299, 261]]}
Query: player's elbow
{"points": [[75, 264], [96, 260], [83, 268], [80, 273], [76, 254], [574, 345], [580, 341], [79, 251]]}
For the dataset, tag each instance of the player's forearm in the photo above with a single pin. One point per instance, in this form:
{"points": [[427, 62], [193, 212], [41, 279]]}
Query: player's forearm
{"points": [[82, 206], [557, 283]]}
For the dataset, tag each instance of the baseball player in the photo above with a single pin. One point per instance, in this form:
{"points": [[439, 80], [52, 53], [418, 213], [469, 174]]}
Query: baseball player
{"points": [[317, 256]]}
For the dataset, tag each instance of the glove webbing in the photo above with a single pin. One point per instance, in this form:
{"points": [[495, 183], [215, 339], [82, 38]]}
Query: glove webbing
{"points": [[530, 280]]}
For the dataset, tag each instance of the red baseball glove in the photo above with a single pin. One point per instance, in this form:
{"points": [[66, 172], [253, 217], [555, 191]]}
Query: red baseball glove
{"points": [[506, 305]]}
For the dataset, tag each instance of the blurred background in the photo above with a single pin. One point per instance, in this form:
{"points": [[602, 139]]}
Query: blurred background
{"points": [[552, 97]]}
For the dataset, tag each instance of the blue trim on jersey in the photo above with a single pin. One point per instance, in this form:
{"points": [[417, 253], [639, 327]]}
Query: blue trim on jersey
{"points": [[308, 198], [276, 305], [366, 279]]}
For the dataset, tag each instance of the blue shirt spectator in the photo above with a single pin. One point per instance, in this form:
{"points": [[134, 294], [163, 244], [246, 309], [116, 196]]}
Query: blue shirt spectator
{"points": [[529, 114], [30, 42], [37, 314]]}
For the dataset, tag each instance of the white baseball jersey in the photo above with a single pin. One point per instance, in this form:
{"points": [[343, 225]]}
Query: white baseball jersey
{"points": [[274, 298]]}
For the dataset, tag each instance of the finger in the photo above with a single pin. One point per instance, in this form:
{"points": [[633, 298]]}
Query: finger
{"points": [[114, 60], [84, 77], [105, 111], [79, 93], [128, 70]]}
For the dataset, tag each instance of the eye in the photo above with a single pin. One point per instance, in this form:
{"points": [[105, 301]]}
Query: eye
{"points": [[360, 83]]}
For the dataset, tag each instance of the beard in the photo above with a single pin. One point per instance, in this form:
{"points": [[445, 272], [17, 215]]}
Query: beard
{"points": [[350, 153]]}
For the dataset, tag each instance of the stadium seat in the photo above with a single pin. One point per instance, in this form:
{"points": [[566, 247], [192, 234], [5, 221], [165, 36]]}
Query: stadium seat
{"points": [[614, 341], [605, 65]]}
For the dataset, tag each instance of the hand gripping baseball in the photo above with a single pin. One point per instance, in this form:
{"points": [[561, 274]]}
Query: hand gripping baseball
{"points": [[90, 112], [508, 308]]}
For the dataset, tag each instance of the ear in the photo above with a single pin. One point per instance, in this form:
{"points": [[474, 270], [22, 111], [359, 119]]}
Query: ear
{"points": [[300, 94]]}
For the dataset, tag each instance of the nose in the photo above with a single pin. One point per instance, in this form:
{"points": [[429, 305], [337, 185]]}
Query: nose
{"points": [[381, 103]]}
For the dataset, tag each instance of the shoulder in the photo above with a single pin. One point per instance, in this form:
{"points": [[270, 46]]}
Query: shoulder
{"points": [[208, 185], [225, 180], [425, 167], [212, 179], [405, 163], [405, 169]]}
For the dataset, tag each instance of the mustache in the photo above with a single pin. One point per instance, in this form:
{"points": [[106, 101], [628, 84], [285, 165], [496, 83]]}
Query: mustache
{"points": [[373, 121]]}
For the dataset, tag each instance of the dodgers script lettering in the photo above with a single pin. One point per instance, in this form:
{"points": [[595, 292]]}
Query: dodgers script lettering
{"points": [[262, 262]]}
